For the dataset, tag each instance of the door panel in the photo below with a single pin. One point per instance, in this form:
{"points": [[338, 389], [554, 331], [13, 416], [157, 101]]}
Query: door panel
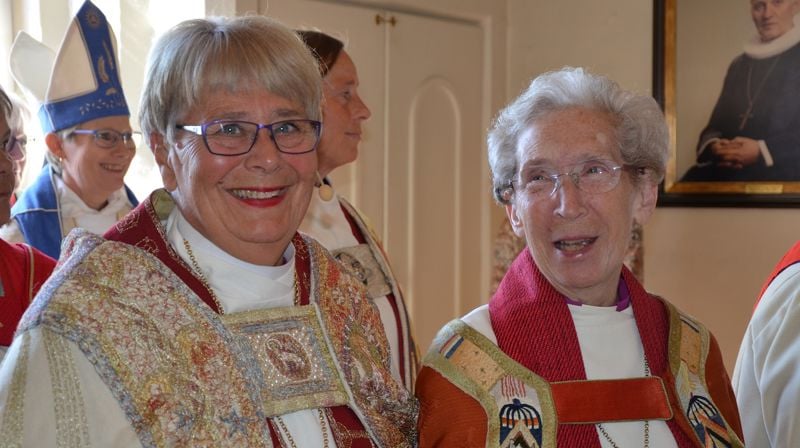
{"points": [[435, 160]]}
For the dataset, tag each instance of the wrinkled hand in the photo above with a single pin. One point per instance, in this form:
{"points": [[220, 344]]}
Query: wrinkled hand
{"points": [[736, 153]]}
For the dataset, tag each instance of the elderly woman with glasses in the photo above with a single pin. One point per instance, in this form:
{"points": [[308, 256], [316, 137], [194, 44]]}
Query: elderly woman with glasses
{"points": [[23, 269], [571, 350], [88, 135], [204, 318]]}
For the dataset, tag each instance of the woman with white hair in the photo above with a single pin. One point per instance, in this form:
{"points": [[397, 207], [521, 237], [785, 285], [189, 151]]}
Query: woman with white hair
{"points": [[571, 350]]}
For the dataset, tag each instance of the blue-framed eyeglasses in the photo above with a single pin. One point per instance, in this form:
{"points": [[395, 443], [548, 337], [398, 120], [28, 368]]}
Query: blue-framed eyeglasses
{"points": [[109, 138], [591, 176], [15, 147], [234, 138]]}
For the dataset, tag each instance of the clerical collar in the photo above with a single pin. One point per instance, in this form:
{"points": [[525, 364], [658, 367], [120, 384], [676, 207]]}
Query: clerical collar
{"points": [[623, 297], [760, 50]]}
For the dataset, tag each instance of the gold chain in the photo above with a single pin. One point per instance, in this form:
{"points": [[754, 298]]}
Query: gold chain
{"points": [[646, 422], [321, 425], [202, 277]]}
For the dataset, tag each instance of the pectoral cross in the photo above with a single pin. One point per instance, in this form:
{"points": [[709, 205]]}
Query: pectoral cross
{"points": [[747, 115]]}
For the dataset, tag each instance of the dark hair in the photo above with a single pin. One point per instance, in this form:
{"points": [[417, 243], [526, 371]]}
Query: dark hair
{"points": [[325, 48], [5, 103]]}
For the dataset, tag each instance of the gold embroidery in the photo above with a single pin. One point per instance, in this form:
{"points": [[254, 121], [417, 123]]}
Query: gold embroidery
{"points": [[477, 365], [11, 431], [295, 362], [343, 435], [691, 347], [71, 427]]}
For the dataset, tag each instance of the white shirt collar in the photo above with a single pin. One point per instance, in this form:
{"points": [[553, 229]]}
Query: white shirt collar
{"points": [[761, 50], [239, 286]]}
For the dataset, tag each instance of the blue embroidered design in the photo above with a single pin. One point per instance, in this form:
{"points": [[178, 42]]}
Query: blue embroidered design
{"points": [[707, 422], [522, 423]]}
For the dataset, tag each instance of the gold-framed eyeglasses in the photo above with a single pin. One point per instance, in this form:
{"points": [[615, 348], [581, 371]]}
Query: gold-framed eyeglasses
{"points": [[591, 176], [109, 138], [234, 138]]}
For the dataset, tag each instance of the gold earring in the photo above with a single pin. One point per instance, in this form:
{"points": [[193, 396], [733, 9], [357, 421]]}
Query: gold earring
{"points": [[325, 190]]}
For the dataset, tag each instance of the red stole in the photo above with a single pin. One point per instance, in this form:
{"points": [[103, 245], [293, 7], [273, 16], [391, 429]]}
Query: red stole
{"points": [[791, 257], [534, 327], [23, 270], [142, 228]]}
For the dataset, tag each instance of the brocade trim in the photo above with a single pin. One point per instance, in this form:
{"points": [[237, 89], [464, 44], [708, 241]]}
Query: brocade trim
{"points": [[11, 431], [478, 367], [410, 357], [354, 331], [689, 343], [342, 435], [70, 409]]}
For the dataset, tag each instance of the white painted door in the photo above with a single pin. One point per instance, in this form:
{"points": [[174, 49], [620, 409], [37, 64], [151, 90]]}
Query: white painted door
{"points": [[420, 168]]}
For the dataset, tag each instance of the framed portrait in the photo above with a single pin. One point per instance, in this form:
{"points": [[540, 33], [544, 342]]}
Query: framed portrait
{"points": [[728, 81]]}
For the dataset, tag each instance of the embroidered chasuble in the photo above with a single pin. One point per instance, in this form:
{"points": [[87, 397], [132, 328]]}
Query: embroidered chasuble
{"points": [[343, 230], [127, 318], [529, 388]]}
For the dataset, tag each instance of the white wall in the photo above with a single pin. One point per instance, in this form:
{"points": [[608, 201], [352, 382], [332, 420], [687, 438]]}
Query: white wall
{"points": [[710, 262]]}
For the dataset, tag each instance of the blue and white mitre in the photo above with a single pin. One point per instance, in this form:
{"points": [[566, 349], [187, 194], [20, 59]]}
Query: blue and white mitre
{"points": [[84, 82]]}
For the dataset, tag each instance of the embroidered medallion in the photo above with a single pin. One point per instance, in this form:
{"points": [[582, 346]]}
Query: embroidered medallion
{"points": [[360, 262], [296, 366]]}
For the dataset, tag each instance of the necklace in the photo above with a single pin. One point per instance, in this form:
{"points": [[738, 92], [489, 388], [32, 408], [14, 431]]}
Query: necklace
{"points": [[321, 425], [753, 96], [199, 273], [201, 276], [646, 422]]}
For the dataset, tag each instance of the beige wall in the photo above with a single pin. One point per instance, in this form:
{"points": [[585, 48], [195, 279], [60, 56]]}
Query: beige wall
{"points": [[709, 262]]}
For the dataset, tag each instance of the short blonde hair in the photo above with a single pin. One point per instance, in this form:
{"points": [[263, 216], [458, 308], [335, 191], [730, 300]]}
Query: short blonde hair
{"points": [[231, 54]]}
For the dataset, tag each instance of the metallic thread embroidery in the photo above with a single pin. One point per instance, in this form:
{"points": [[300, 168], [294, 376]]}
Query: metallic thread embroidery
{"points": [[11, 431], [296, 366], [70, 411]]}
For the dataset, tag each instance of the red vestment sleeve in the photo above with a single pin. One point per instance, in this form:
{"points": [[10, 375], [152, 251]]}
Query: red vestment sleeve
{"points": [[448, 417]]}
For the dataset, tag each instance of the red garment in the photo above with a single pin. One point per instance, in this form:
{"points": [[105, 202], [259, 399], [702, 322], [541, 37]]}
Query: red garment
{"points": [[23, 270], [533, 326], [789, 258]]}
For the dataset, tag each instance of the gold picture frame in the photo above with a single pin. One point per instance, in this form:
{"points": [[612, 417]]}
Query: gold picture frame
{"points": [[688, 73]]}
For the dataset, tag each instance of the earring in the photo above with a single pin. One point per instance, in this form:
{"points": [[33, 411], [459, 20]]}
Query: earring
{"points": [[325, 190]]}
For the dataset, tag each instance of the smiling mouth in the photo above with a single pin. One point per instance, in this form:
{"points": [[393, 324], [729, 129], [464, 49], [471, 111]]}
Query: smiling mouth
{"points": [[574, 245], [254, 194], [112, 167]]}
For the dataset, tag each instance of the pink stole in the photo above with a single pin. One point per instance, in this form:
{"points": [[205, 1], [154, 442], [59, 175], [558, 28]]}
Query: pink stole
{"points": [[142, 228], [534, 327]]}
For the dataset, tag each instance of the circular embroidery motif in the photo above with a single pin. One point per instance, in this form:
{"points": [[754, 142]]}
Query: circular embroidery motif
{"points": [[288, 356], [93, 19]]}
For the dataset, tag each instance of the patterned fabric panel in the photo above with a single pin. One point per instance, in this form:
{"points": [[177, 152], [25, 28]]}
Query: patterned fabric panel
{"points": [[519, 400]]}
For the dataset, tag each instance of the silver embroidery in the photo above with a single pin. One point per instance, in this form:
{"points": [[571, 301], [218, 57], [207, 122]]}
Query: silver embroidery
{"points": [[11, 431], [70, 411]]}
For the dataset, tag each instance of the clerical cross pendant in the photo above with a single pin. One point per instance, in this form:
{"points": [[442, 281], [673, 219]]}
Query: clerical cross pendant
{"points": [[747, 115]]}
